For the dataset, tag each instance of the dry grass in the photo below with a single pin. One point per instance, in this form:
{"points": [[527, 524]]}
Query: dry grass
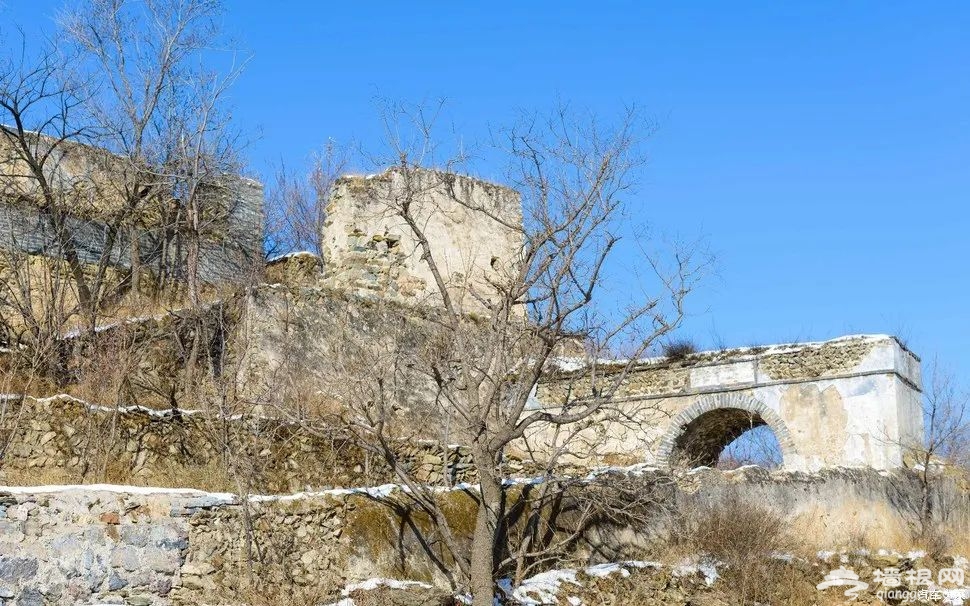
{"points": [[252, 593], [45, 476], [15, 379], [958, 528], [745, 539], [852, 526], [211, 476], [867, 526]]}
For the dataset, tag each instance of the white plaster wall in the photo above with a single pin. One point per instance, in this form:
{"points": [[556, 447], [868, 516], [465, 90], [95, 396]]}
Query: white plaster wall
{"points": [[908, 365], [723, 374], [881, 357]]}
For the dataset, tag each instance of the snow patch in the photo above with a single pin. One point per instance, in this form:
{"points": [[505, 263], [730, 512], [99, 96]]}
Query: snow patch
{"points": [[163, 413], [605, 570], [543, 587], [290, 255], [118, 489], [568, 364], [637, 469], [955, 597], [705, 568], [372, 584], [77, 332]]}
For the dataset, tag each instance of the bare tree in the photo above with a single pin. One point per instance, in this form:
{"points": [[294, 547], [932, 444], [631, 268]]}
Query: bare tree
{"points": [[946, 442], [117, 133], [49, 191], [206, 154], [161, 111], [468, 378], [297, 204]]}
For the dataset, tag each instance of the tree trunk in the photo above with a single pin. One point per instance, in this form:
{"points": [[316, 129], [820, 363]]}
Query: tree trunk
{"points": [[482, 571], [192, 269], [135, 250], [68, 250], [926, 505]]}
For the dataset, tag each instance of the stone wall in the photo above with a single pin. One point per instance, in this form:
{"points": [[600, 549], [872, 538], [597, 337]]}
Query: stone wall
{"points": [[473, 229], [64, 440], [110, 544], [305, 329], [851, 401], [272, 346], [101, 544], [232, 254]]}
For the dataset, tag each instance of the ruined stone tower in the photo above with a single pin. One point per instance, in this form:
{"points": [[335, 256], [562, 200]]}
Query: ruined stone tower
{"points": [[473, 229]]}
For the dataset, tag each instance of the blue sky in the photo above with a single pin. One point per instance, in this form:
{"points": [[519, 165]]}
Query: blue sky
{"points": [[820, 148]]}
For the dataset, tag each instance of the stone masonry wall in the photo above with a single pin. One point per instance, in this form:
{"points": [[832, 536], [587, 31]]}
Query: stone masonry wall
{"points": [[663, 377], [472, 228], [108, 544], [229, 256], [71, 441]]}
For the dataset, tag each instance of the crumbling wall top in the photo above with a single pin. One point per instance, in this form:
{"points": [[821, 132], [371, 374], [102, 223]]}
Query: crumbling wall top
{"points": [[473, 228]]}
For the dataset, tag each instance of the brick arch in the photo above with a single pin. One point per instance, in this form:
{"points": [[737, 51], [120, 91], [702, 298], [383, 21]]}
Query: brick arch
{"points": [[705, 428]]}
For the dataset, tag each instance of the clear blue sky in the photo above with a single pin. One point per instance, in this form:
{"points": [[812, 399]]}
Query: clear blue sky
{"points": [[821, 148]]}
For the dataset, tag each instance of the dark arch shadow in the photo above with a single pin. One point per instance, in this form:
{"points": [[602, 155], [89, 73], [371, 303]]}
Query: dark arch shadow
{"points": [[698, 434]]}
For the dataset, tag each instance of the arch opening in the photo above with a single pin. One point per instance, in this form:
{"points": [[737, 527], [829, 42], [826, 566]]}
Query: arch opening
{"points": [[757, 446], [728, 428], [704, 438]]}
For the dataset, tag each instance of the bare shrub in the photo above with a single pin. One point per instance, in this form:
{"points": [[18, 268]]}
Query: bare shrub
{"points": [[733, 530], [745, 539], [937, 455], [105, 372], [678, 349], [254, 593]]}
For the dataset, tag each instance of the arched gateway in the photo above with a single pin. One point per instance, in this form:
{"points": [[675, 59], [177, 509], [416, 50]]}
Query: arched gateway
{"points": [[851, 401], [698, 434]]}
